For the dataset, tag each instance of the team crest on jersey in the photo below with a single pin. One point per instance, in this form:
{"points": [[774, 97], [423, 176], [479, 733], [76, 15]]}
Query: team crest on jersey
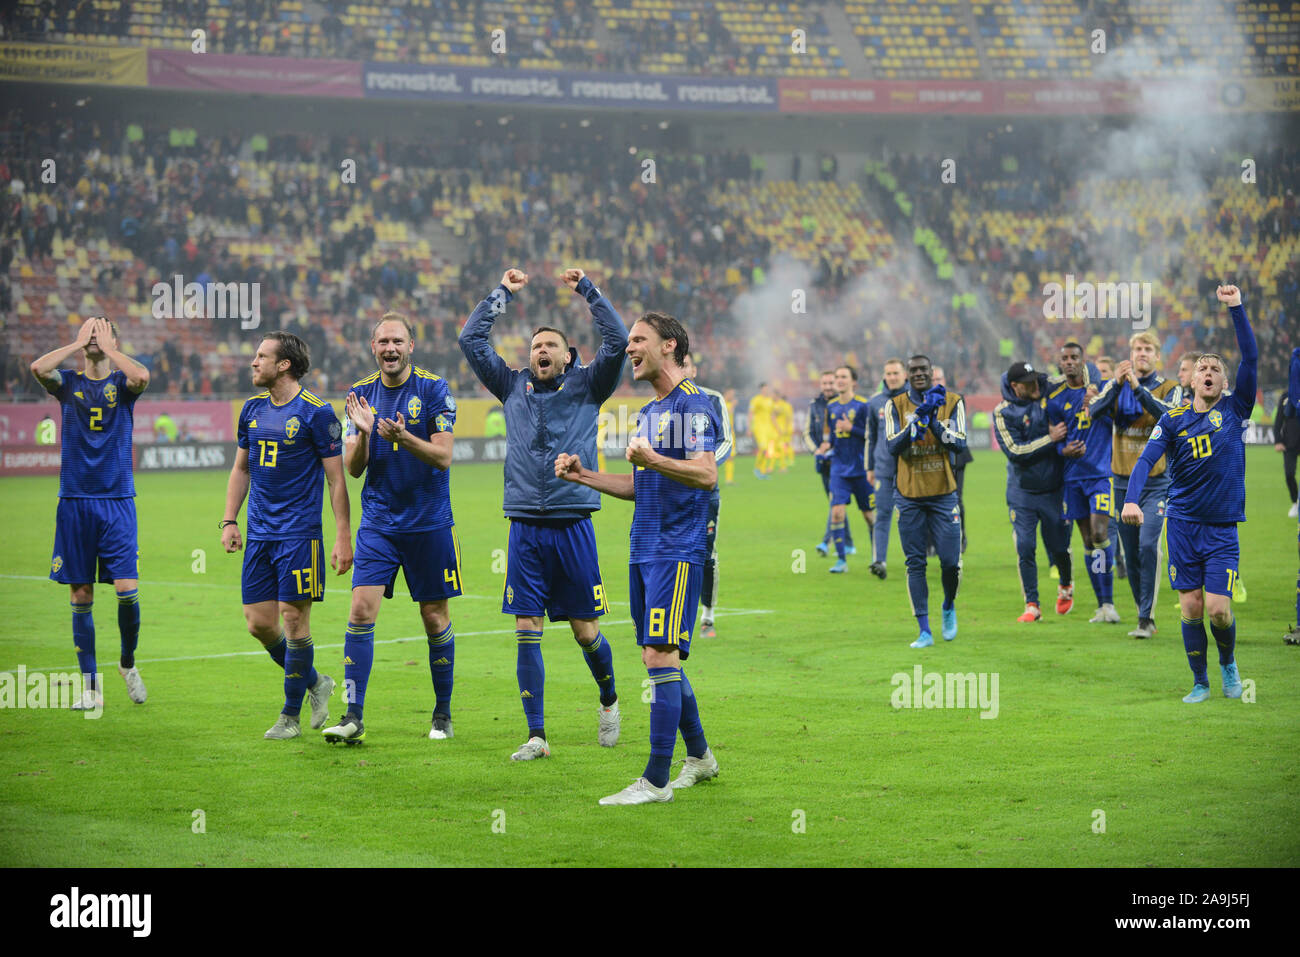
{"points": [[291, 427], [110, 395], [1173, 573], [413, 409], [510, 595], [441, 422], [56, 564], [1216, 418], [1013, 516]]}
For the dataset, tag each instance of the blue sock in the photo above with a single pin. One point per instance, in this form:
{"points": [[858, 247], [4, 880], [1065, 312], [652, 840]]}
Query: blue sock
{"points": [[600, 661], [951, 575], [358, 657], [83, 639], [1195, 642], [128, 623], [1226, 639], [848, 533], [837, 533], [1108, 576], [692, 730], [923, 622], [665, 716], [277, 651], [532, 680], [297, 670], [826, 540], [1095, 559], [442, 664]]}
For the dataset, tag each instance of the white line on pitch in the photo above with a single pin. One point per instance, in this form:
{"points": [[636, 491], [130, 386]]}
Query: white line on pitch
{"points": [[383, 641], [396, 594]]}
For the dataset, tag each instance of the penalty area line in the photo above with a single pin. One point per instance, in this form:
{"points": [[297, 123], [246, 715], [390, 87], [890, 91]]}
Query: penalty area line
{"points": [[396, 594], [383, 641]]}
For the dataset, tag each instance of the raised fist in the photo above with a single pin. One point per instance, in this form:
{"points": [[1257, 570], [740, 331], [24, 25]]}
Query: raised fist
{"points": [[1229, 295], [514, 280], [572, 277]]}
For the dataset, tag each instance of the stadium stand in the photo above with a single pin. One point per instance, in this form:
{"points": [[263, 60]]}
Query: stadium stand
{"points": [[899, 39]]}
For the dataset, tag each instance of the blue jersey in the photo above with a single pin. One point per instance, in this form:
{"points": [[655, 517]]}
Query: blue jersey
{"points": [[98, 416], [403, 494], [848, 448], [286, 445], [670, 520], [1206, 455], [1069, 405]]}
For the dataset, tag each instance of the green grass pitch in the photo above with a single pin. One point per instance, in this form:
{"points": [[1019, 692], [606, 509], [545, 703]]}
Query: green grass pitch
{"points": [[817, 767]]}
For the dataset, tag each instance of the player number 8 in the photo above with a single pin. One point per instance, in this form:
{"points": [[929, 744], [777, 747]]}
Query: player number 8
{"points": [[657, 622]]}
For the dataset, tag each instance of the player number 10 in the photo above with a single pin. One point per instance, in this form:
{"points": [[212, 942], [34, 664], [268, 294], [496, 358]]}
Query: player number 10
{"points": [[1200, 446]]}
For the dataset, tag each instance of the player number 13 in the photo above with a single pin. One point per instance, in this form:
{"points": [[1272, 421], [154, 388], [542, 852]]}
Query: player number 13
{"points": [[268, 451]]}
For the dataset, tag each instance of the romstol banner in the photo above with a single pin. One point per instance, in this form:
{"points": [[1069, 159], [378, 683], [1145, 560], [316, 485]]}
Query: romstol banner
{"points": [[476, 85], [205, 420], [798, 95], [55, 63], [254, 74]]}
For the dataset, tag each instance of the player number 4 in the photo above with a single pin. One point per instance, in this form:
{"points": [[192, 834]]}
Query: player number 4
{"points": [[451, 575]]}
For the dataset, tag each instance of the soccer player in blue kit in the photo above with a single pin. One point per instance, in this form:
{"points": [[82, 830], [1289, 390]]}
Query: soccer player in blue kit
{"points": [[399, 435], [95, 526], [289, 440], [672, 481], [551, 563], [1089, 486], [844, 439], [1207, 498]]}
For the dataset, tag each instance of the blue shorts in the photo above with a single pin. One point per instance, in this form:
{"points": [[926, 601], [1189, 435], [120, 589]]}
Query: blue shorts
{"points": [[552, 569], [844, 489], [94, 540], [1202, 556], [430, 560], [1089, 497], [665, 597], [289, 570]]}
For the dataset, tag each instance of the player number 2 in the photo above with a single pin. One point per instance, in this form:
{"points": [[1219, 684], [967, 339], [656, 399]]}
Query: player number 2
{"points": [[1200, 446], [268, 450], [657, 622], [97, 419]]}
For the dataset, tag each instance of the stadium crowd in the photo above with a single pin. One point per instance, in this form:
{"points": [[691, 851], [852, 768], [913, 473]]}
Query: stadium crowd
{"points": [[710, 239]]}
